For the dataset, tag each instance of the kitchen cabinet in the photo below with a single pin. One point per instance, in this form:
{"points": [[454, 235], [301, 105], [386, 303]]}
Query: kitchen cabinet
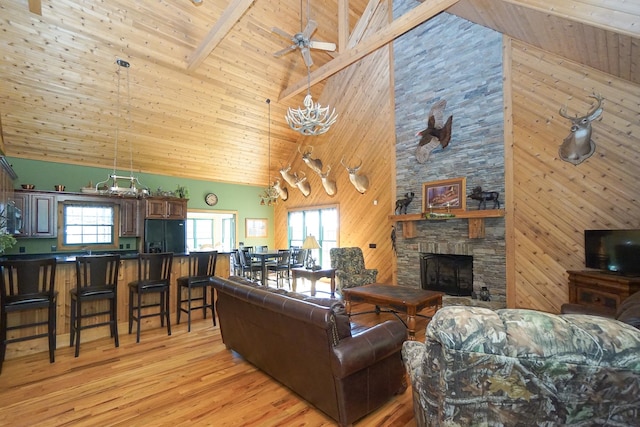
{"points": [[130, 218], [39, 214], [165, 208]]}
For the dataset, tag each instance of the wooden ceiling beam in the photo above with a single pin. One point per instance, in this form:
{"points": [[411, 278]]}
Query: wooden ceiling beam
{"points": [[395, 29], [363, 23], [343, 24], [219, 31]]}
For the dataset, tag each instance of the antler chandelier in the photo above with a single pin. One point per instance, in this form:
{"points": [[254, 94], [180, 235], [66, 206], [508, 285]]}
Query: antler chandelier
{"points": [[269, 195], [314, 119]]}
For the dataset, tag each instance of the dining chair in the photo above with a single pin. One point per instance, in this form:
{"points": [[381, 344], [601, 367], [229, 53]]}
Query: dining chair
{"points": [[154, 272], [96, 280], [281, 268], [27, 285], [202, 266], [250, 268]]}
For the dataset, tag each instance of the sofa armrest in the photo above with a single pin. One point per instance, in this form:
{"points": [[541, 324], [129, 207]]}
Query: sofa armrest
{"points": [[413, 354], [363, 350]]}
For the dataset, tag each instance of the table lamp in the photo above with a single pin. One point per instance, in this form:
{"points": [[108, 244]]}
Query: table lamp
{"points": [[309, 244]]}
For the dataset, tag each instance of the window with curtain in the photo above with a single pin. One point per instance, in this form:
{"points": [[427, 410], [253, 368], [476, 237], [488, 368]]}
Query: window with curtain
{"points": [[322, 223]]}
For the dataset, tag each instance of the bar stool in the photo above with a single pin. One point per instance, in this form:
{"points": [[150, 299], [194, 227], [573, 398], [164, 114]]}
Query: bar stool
{"points": [[96, 280], [202, 266], [154, 271], [28, 285]]}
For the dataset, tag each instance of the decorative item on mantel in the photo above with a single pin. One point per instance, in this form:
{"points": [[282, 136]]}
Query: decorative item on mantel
{"points": [[110, 185], [402, 204], [484, 196], [269, 195]]}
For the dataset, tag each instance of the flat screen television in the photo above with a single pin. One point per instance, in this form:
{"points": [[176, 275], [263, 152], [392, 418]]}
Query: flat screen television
{"points": [[614, 251]]}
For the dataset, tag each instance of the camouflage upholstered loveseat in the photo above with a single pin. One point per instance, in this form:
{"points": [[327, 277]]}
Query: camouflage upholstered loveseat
{"points": [[524, 368]]}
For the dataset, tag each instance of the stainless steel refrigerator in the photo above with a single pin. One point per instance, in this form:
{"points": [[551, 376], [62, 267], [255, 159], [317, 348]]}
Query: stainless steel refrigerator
{"points": [[165, 235]]}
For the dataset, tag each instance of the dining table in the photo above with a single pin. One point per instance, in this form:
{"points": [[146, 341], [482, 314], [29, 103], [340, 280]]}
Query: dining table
{"points": [[264, 257]]}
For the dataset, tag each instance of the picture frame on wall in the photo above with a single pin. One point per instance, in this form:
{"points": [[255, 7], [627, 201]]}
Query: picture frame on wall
{"points": [[447, 195], [255, 227]]}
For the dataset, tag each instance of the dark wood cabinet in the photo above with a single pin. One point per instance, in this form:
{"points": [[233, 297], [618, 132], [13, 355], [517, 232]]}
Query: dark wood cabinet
{"points": [[130, 218], [599, 289], [39, 214], [166, 208]]}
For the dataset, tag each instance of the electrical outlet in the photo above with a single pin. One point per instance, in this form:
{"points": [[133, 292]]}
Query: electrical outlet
{"points": [[54, 248], [372, 245], [22, 249], [128, 245], [120, 246]]}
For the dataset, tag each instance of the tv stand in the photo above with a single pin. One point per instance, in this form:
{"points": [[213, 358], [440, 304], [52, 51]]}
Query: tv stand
{"points": [[600, 289]]}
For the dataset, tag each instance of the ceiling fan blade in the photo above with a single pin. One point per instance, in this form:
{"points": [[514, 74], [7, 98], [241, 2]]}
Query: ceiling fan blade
{"points": [[322, 45], [306, 55], [310, 29], [281, 33], [285, 50]]}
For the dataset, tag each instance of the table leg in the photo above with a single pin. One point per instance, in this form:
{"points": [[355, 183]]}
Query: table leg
{"points": [[313, 286], [411, 323], [294, 280], [333, 286], [347, 305]]}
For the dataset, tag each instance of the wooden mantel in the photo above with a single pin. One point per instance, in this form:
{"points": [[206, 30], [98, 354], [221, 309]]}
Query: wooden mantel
{"points": [[475, 219]]}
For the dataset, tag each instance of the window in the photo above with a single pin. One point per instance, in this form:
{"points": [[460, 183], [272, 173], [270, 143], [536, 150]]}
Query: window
{"points": [[89, 225], [321, 223], [211, 231]]}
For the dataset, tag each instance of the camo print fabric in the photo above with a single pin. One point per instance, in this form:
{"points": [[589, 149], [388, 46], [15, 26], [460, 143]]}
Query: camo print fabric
{"points": [[524, 368], [350, 270]]}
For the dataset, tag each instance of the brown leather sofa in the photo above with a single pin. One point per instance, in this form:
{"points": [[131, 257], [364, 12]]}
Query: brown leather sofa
{"points": [[628, 311], [306, 344]]}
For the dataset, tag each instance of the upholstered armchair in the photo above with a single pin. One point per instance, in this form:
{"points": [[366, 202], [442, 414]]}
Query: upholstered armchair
{"points": [[523, 367], [350, 270]]}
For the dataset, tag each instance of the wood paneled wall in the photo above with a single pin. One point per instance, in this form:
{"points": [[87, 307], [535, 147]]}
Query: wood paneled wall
{"points": [[363, 97], [552, 202]]}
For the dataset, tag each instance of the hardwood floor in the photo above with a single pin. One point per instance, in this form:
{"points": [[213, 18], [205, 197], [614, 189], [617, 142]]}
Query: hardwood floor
{"points": [[185, 378]]}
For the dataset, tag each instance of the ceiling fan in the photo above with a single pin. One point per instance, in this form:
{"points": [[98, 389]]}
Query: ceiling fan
{"points": [[302, 41]]}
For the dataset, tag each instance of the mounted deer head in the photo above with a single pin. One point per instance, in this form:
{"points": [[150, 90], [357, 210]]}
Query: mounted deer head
{"points": [[578, 146], [314, 164], [302, 184], [329, 185], [360, 182], [283, 193], [288, 177]]}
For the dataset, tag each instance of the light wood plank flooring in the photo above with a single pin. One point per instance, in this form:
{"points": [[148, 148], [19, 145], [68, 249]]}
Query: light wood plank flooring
{"points": [[184, 379]]}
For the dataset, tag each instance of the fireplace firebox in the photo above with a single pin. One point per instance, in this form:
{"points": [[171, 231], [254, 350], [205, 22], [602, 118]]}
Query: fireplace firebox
{"points": [[451, 274]]}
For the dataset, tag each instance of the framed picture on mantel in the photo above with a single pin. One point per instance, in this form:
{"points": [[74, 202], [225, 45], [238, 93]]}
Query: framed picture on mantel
{"points": [[447, 195]]}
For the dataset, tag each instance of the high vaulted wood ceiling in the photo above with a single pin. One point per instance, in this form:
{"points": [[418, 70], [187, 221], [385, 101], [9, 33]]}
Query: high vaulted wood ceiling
{"points": [[200, 74]]}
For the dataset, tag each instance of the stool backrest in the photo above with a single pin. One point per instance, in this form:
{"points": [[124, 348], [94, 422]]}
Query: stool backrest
{"points": [[203, 263], [155, 266], [27, 277], [97, 271]]}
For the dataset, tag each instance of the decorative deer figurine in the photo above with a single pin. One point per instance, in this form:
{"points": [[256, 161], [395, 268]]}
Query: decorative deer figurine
{"points": [[360, 182], [314, 164], [283, 192], [290, 178], [329, 185], [578, 146], [302, 184]]}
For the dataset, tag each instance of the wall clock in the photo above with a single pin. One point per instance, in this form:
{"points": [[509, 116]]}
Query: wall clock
{"points": [[211, 199]]}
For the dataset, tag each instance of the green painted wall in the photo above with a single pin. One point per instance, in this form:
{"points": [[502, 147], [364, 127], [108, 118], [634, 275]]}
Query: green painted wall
{"points": [[242, 199]]}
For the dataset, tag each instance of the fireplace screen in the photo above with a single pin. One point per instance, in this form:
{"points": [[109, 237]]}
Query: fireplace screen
{"points": [[451, 274]]}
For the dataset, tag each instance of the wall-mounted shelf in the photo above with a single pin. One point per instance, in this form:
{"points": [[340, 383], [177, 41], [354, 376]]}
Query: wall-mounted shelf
{"points": [[475, 219]]}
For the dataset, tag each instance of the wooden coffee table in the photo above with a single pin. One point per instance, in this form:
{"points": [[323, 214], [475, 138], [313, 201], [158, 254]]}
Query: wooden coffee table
{"points": [[397, 299]]}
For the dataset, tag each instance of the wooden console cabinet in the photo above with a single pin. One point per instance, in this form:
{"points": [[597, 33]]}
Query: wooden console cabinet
{"points": [[599, 289]]}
